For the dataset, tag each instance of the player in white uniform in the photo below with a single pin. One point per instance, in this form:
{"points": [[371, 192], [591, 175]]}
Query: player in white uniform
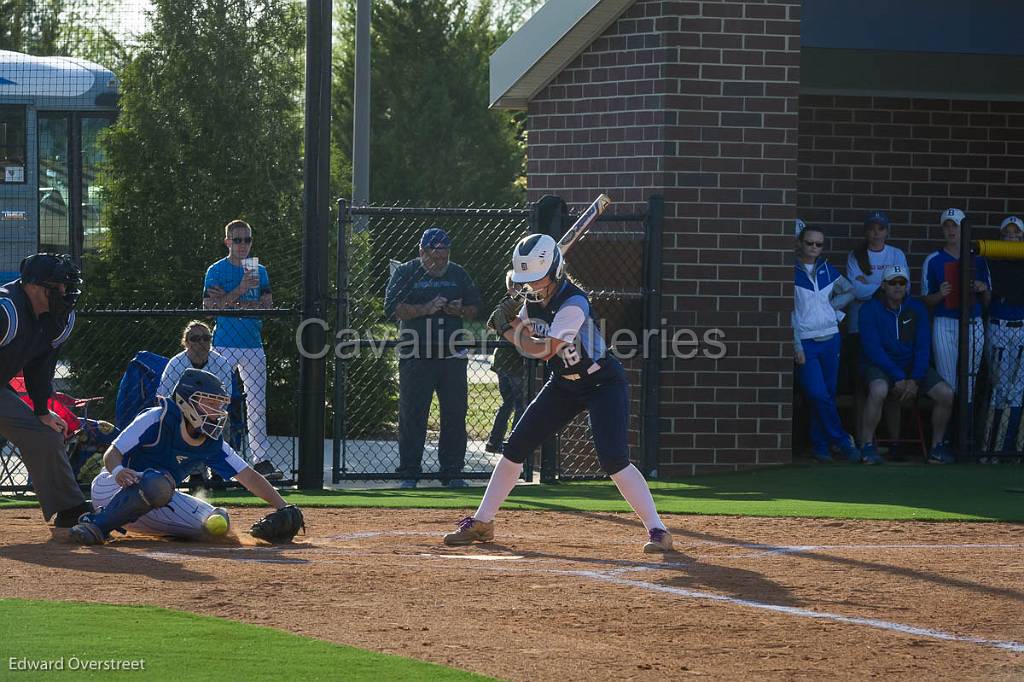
{"points": [[937, 283], [154, 454]]}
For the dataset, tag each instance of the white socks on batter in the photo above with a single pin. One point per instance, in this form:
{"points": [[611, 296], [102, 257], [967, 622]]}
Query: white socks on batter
{"points": [[634, 489], [504, 478]]}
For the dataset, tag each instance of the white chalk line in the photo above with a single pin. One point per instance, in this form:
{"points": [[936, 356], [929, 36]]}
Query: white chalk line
{"points": [[1017, 647], [800, 549], [613, 576]]}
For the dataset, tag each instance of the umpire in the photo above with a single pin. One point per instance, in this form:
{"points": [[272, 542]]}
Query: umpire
{"points": [[430, 296], [36, 317]]}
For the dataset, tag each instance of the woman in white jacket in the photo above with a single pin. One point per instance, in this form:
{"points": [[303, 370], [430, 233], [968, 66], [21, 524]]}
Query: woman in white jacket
{"points": [[864, 268], [820, 292]]}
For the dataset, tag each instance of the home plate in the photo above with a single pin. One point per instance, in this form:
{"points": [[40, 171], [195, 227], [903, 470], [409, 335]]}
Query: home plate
{"points": [[475, 557]]}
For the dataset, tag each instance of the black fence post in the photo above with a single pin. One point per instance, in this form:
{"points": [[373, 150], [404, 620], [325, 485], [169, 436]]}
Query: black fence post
{"points": [[316, 174], [549, 216], [965, 435], [650, 373], [340, 322]]}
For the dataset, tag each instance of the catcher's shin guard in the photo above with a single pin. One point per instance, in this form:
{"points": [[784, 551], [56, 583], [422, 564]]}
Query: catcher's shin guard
{"points": [[86, 532], [154, 489]]}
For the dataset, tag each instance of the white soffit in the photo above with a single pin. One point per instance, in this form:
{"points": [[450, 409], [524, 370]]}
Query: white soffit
{"points": [[554, 36]]}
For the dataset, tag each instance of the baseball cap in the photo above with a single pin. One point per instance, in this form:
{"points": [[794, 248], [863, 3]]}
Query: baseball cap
{"points": [[879, 217], [435, 237], [894, 272], [954, 214], [1012, 220]]}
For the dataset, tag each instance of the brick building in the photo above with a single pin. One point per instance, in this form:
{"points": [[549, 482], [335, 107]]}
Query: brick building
{"points": [[705, 103]]}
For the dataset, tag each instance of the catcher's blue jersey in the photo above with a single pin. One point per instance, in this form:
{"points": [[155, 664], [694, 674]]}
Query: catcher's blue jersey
{"points": [[154, 440]]}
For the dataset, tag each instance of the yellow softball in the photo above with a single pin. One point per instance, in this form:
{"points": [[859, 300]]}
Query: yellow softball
{"points": [[216, 524]]}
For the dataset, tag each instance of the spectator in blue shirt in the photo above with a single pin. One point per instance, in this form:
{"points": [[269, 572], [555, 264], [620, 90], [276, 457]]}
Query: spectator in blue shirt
{"points": [[895, 352], [232, 283]]}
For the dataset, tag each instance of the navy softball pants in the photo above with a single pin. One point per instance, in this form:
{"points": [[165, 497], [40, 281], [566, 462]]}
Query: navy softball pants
{"points": [[605, 396]]}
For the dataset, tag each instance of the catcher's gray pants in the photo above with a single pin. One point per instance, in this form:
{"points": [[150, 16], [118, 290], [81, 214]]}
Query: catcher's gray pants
{"points": [[42, 450], [182, 517]]}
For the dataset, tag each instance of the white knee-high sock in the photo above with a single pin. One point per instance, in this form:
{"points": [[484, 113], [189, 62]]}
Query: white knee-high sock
{"points": [[634, 489], [503, 479]]}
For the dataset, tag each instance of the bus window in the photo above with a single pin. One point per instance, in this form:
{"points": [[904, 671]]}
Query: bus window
{"points": [[92, 192], [54, 219], [12, 144]]}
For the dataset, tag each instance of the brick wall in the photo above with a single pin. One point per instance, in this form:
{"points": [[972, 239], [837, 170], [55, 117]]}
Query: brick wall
{"points": [[697, 101], [912, 158]]}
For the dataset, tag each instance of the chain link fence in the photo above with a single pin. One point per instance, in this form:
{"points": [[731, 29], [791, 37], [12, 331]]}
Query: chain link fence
{"points": [[998, 424], [365, 394], [115, 364], [612, 262]]}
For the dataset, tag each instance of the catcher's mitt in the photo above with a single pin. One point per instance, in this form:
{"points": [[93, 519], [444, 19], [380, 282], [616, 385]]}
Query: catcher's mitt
{"points": [[502, 316], [280, 525]]}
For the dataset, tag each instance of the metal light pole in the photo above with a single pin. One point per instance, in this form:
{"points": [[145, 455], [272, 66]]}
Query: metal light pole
{"points": [[361, 118]]}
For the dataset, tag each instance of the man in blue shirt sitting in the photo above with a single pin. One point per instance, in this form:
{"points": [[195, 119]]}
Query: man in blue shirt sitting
{"points": [[895, 353]]}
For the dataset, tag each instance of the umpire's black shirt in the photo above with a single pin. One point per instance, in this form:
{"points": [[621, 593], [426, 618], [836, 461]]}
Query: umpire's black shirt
{"points": [[413, 285], [29, 344]]}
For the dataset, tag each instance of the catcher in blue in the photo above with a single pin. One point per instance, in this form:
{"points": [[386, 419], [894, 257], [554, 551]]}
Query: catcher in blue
{"points": [[555, 325], [154, 454]]}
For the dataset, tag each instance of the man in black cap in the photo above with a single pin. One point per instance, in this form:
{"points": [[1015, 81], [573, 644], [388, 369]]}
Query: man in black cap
{"points": [[430, 296], [36, 317]]}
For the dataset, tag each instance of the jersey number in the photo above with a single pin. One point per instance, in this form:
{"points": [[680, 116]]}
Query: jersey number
{"points": [[570, 355]]}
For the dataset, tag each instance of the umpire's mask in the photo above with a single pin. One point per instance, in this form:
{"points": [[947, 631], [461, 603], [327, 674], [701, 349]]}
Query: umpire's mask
{"points": [[49, 270]]}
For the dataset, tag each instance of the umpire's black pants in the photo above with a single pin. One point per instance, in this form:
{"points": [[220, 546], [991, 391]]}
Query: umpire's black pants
{"points": [[418, 379]]}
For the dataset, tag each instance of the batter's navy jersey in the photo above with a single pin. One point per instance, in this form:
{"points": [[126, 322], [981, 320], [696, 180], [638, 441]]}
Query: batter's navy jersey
{"points": [[567, 318], [940, 267], [154, 441]]}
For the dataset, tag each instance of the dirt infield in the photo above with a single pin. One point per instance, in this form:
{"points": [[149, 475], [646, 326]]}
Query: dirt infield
{"points": [[571, 597]]}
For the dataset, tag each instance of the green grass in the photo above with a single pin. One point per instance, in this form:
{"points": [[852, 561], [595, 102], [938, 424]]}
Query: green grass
{"points": [[966, 492], [176, 646], [484, 400]]}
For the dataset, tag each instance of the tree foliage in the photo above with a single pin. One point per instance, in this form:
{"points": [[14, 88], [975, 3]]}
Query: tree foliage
{"points": [[433, 139], [209, 130], [60, 27]]}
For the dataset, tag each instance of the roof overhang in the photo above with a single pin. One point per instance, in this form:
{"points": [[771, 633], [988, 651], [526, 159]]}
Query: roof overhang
{"points": [[554, 36]]}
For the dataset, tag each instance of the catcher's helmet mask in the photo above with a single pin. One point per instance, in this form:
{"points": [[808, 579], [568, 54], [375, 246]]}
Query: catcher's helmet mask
{"points": [[50, 270], [535, 257], [202, 400]]}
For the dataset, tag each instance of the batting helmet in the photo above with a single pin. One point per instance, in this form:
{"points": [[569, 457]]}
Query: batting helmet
{"points": [[535, 257], [201, 398]]}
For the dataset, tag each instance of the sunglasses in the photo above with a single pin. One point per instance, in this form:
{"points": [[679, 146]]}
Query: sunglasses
{"points": [[242, 240], [197, 338], [818, 244], [897, 282]]}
